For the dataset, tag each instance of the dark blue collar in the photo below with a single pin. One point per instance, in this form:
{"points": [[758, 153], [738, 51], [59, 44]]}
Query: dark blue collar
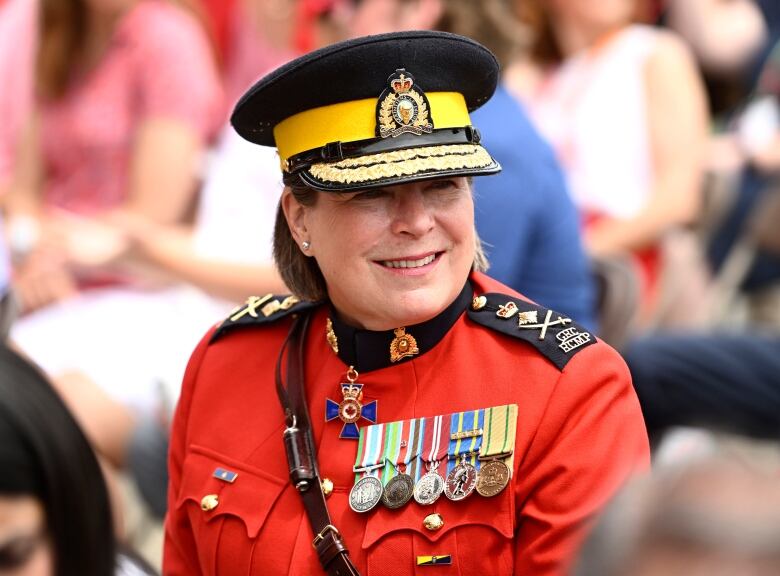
{"points": [[368, 350]]}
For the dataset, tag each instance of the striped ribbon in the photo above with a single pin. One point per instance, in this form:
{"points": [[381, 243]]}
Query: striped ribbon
{"points": [[415, 469], [461, 422], [436, 440], [393, 434], [370, 451], [499, 430]]}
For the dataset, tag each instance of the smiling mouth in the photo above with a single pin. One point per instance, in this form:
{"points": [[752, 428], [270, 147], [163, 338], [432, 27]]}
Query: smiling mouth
{"points": [[412, 263]]}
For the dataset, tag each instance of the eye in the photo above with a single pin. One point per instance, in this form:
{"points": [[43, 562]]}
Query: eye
{"points": [[16, 552], [441, 185], [371, 194]]}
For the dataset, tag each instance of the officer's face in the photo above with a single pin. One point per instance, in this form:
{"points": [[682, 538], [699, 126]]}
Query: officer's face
{"points": [[393, 256]]}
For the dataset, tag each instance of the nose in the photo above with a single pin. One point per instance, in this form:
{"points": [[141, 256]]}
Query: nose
{"points": [[413, 216]]}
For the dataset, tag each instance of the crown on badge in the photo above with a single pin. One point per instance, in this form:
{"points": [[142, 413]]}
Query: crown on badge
{"points": [[401, 84], [352, 392]]}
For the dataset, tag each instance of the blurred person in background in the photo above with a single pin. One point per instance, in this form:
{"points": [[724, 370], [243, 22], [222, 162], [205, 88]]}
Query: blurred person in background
{"points": [[131, 119], [119, 124], [55, 517], [746, 154], [524, 215], [717, 514], [624, 108]]}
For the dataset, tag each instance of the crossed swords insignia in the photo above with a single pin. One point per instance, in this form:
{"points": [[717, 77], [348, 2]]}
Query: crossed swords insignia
{"points": [[529, 320]]}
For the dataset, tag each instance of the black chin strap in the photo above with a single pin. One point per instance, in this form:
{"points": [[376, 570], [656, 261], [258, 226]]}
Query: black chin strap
{"points": [[301, 459]]}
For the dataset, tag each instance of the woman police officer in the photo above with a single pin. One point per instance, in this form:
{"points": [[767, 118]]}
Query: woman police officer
{"points": [[429, 415]]}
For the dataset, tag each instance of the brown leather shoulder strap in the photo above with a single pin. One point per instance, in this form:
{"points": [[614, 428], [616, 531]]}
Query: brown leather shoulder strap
{"points": [[301, 455]]}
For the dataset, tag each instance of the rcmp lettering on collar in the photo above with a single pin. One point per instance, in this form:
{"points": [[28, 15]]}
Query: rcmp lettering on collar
{"points": [[557, 337], [261, 310]]}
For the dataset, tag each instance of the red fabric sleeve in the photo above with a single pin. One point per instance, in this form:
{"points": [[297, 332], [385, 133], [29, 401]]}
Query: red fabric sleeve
{"points": [[178, 77], [591, 439], [180, 556]]}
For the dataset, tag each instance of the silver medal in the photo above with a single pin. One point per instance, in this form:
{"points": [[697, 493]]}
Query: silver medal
{"points": [[398, 491], [365, 494], [428, 488]]}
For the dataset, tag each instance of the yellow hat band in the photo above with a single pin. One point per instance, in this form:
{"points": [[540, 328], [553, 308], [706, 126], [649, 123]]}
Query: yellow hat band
{"points": [[356, 120]]}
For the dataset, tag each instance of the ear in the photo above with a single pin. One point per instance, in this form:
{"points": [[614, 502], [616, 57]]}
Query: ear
{"points": [[295, 214], [421, 14]]}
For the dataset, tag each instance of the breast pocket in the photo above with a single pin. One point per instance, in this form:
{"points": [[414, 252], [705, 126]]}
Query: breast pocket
{"points": [[477, 533], [227, 502]]}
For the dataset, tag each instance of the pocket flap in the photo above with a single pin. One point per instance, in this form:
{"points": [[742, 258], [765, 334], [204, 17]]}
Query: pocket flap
{"points": [[249, 497], [495, 513]]}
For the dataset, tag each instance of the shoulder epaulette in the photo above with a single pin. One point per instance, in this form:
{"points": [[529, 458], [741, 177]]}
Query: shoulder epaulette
{"points": [[262, 310], [556, 337]]}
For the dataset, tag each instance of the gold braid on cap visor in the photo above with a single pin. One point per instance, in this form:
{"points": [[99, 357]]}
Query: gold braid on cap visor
{"points": [[407, 162]]}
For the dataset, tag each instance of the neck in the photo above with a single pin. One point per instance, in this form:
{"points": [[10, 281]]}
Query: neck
{"points": [[377, 324]]}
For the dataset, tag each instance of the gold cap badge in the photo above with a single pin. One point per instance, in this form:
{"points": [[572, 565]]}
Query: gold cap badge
{"points": [[403, 108]]}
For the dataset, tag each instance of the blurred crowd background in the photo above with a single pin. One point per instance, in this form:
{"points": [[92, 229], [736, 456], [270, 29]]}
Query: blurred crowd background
{"points": [[640, 141]]}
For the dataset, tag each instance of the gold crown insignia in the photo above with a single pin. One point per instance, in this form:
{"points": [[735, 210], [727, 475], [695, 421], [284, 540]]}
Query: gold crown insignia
{"points": [[352, 392], [401, 84]]}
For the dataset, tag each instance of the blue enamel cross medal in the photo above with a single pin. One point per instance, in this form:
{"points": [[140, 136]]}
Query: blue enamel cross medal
{"points": [[350, 409]]}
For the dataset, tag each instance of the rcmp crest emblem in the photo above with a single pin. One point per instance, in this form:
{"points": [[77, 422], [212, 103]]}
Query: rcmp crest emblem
{"points": [[403, 108]]}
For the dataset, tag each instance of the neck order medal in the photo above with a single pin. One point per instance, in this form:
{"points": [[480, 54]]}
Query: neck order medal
{"points": [[350, 409]]}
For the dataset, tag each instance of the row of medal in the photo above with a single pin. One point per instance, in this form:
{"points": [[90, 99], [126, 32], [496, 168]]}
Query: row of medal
{"points": [[421, 459]]}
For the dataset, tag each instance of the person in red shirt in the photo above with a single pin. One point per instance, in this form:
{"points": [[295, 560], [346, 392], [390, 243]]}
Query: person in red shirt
{"points": [[400, 409]]}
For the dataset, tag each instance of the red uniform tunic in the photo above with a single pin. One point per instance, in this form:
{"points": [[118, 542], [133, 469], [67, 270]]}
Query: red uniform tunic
{"points": [[580, 434]]}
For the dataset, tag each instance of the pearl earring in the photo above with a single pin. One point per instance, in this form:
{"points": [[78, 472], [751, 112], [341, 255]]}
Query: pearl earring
{"points": [[305, 245]]}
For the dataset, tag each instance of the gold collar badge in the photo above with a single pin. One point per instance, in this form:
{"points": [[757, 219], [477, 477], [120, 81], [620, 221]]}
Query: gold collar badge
{"points": [[403, 345], [403, 108], [330, 335]]}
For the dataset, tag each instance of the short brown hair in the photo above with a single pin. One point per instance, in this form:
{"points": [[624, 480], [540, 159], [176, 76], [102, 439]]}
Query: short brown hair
{"points": [[301, 273], [492, 23]]}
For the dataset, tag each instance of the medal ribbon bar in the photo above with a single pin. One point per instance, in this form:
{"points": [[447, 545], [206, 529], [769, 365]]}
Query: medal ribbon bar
{"points": [[436, 441], [461, 444], [393, 435], [414, 448], [500, 425], [370, 457]]}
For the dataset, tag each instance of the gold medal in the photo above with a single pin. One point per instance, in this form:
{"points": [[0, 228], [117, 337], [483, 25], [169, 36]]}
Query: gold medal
{"points": [[493, 478]]}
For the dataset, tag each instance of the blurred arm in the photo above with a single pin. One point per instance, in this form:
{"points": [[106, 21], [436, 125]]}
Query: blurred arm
{"points": [[173, 251], [40, 275], [163, 176]]}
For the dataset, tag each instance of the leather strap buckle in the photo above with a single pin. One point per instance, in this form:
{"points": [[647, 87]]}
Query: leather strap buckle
{"points": [[321, 536]]}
